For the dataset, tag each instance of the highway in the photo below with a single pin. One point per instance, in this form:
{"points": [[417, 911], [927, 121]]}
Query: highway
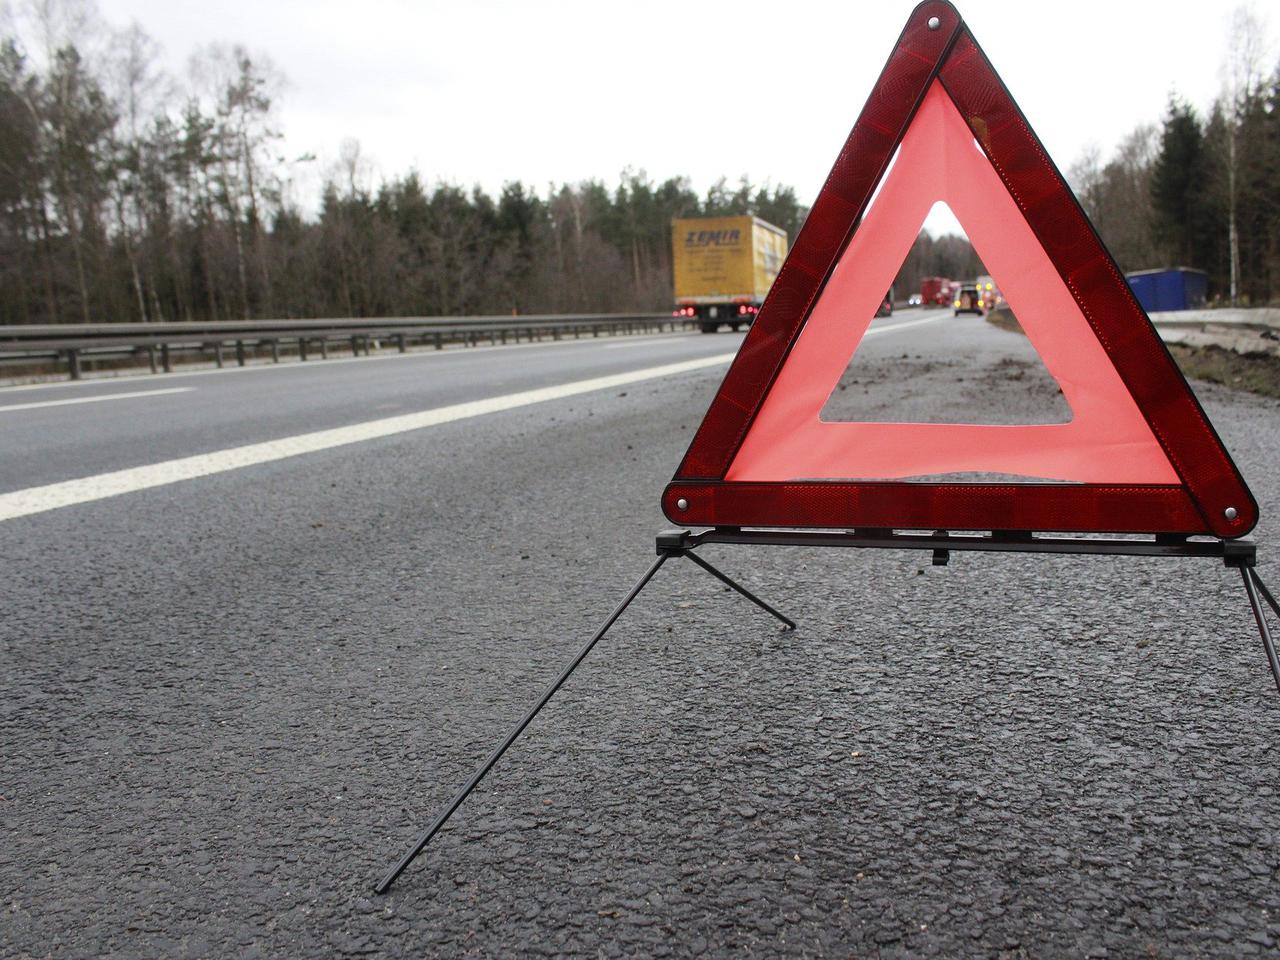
{"points": [[259, 624]]}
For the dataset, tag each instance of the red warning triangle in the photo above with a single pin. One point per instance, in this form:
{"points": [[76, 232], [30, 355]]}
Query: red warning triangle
{"points": [[1138, 454]]}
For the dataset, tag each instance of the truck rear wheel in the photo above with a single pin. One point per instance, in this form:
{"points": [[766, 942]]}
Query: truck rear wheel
{"points": [[710, 327]]}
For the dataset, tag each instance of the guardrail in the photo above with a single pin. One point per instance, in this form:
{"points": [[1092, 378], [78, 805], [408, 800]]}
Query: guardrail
{"points": [[76, 344]]}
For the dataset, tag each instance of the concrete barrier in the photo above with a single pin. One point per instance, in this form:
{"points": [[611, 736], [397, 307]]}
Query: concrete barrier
{"points": [[1240, 330]]}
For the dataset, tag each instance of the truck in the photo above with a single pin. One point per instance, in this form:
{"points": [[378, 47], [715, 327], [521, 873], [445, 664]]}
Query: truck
{"points": [[723, 267], [1176, 288], [935, 291]]}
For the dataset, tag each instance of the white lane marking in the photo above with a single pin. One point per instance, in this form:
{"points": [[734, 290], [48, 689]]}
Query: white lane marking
{"points": [[21, 503], [644, 343], [903, 325], [416, 353], [105, 396]]}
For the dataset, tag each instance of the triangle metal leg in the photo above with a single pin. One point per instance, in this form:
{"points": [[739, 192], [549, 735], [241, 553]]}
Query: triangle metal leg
{"points": [[1262, 588], [690, 555], [665, 553], [682, 543], [385, 884], [1253, 585]]}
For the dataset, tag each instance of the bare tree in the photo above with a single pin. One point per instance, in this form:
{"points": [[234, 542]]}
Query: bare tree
{"points": [[239, 90], [136, 87], [1243, 75]]}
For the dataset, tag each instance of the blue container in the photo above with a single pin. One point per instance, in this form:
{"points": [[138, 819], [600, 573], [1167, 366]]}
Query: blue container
{"points": [[1178, 289]]}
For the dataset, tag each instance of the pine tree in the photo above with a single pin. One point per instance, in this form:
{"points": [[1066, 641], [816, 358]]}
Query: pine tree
{"points": [[1178, 186]]}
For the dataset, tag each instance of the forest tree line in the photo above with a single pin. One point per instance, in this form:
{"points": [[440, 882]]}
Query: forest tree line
{"points": [[126, 195], [1200, 190]]}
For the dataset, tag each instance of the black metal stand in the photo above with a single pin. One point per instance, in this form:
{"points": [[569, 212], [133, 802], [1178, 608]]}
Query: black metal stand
{"points": [[1241, 554], [1252, 586], [665, 553]]}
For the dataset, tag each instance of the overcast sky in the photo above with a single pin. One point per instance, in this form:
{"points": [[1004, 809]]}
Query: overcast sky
{"points": [[485, 92]]}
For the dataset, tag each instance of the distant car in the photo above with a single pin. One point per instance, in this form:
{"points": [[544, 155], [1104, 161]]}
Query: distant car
{"points": [[886, 308], [914, 300], [968, 300]]}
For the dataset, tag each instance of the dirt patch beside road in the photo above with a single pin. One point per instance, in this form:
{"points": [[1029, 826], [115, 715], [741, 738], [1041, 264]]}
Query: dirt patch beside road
{"points": [[1254, 372]]}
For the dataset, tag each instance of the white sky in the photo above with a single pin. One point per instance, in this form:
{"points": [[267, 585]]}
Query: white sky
{"points": [[565, 90]]}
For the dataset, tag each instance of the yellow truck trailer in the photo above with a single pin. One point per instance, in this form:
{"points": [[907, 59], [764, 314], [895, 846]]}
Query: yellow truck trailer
{"points": [[723, 267]]}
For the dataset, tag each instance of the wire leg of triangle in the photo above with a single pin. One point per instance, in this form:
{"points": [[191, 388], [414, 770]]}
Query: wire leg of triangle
{"points": [[663, 556], [790, 624], [1253, 586]]}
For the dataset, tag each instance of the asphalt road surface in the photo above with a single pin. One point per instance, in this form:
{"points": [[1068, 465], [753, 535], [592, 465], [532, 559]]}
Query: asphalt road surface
{"points": [[259, 627]]}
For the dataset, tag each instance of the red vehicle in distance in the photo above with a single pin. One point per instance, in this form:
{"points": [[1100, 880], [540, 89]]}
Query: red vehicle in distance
{"points": [[935, 291]]}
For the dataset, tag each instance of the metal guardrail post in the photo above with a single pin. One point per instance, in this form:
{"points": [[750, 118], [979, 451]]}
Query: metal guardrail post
{"points": [[439, 340], [400, 342], [302, 348], [217, 353], [240, 353], [324, 348], [73, 364], [165, 360], [151, 358], [275, 351]]}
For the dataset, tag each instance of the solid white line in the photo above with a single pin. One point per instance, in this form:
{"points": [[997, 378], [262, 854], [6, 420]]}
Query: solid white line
{"points": [[21, 503], [903, 325], [644, 343], [105, 396]]}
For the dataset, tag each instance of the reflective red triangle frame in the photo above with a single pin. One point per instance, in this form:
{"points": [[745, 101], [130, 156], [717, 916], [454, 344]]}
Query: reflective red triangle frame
{"points": [[1211, 485]]}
